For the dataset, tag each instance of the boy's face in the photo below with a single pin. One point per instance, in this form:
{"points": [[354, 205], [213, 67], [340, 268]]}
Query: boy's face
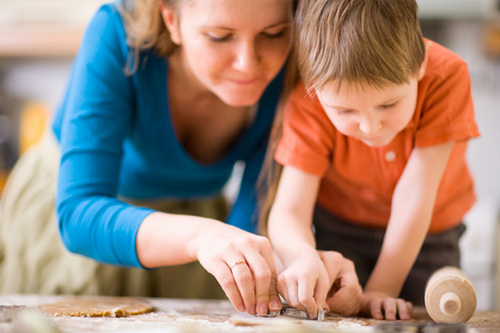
{"points": [[374, 116]]}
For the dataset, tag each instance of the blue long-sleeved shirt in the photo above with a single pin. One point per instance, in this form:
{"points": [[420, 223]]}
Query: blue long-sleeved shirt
{"points": [[117, 139]]}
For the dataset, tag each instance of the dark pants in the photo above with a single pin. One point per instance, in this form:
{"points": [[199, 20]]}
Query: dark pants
{"points": [[362, 246]]}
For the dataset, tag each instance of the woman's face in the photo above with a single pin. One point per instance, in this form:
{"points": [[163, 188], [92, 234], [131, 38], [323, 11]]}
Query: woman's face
{"points": [[233, 48]]}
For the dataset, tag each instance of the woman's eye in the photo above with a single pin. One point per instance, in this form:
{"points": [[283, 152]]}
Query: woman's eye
{"points": [[219, 38], [274, 36]]}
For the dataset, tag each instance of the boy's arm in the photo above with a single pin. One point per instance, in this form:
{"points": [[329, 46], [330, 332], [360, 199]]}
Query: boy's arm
{"points": [[290, 219], [303, 282], [412, 206], [307, 276]]}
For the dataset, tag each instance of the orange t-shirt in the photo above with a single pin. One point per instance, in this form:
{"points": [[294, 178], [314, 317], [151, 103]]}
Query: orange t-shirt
{"points": [[358, 181]]}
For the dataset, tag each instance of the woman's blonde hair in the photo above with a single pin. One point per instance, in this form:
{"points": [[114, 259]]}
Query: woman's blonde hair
{"points": [[374, 42], [267, 184], [145, 28]]}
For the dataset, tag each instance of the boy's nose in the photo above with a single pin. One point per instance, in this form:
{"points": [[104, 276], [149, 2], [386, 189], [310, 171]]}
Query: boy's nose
{"points": [[370, 126]]}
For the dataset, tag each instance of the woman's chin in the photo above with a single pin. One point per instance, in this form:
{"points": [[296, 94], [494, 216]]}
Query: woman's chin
{"points": [[241, 97]]}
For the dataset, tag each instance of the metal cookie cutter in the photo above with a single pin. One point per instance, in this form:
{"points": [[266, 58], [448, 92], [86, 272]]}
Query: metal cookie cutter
{"points": [[300, 314], [270, 314]]}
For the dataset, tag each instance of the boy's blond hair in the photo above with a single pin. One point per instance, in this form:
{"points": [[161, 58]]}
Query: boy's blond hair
{"points": [[374, 42]]}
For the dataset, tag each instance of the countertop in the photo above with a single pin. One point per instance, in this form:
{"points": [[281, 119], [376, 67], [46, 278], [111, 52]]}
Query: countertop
{"points": [[175, 315]]}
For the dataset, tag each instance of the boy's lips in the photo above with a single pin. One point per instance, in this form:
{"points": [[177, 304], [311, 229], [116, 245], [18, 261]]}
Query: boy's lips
{"points": [[372, 139], [377, 141]]}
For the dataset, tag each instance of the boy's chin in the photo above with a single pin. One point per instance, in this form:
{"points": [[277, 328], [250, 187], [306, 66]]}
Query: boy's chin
{"points": [[377, 143]]}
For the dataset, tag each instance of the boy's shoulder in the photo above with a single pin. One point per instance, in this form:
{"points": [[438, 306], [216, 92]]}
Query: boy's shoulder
{"points": [[442, 61]]}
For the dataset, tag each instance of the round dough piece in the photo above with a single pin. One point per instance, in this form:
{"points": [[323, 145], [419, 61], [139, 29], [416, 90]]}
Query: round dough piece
{"points": [[97, 307]]}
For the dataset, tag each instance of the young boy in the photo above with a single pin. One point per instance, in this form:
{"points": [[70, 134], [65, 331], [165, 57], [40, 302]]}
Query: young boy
{"points": [[373, 154]]}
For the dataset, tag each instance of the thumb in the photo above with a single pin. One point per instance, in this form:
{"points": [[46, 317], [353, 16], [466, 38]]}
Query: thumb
{"points": [[274, 298]]}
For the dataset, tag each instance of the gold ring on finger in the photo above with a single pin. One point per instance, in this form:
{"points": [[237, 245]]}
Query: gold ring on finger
{"points": [[236, 263]]}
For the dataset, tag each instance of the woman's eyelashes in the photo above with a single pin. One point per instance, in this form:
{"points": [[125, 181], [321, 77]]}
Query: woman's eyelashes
{"points": [[277, 35], [219, 38]]}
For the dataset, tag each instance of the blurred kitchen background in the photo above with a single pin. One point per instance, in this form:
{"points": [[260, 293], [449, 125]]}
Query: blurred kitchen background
{"points": [[39, 38]]}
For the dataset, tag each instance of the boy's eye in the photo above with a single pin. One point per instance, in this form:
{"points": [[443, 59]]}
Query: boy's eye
{"points": [[343, 112], [388, 106]]}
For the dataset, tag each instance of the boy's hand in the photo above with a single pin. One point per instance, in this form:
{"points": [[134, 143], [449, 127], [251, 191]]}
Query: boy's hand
{"points": [[344, 296], [380, 305], [304, 282]]}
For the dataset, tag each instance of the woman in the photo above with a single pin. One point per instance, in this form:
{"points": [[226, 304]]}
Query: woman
{"points": [[163, 99]]}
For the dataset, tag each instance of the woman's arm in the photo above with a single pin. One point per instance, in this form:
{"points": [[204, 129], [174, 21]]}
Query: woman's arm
{"points": [[241, 262], [411, 213], [97, 115]]}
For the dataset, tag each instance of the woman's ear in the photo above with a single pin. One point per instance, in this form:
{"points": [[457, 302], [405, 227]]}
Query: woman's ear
{"points": [[170, 17]]}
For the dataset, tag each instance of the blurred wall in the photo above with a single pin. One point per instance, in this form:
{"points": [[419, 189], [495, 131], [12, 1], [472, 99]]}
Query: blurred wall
{"points": [[459, 25], [466, 36]]}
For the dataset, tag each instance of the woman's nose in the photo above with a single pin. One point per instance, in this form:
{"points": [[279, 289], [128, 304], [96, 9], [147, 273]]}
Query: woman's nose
{"points": [[246, 58]]}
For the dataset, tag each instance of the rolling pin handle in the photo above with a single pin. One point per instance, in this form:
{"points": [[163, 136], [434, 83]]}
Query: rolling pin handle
{"points": [[449, 296], [450, 303]]}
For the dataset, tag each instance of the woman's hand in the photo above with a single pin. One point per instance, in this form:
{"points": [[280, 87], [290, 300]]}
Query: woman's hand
{"points": [[243, 265], [380, 305], [304, 282], [345, 293]]}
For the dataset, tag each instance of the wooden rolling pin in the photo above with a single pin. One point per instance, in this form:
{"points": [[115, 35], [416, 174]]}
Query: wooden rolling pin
{"points": [[450, 296]]}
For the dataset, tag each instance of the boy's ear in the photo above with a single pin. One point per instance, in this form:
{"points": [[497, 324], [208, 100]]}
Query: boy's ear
{"points": [[423, 66], [172, 23]]}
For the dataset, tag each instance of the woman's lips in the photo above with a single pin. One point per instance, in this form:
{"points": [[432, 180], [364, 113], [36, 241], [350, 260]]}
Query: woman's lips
{"points": [[244, 82]]}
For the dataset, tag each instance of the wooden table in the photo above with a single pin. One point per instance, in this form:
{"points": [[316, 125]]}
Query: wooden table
{"points": [[179, 316]]}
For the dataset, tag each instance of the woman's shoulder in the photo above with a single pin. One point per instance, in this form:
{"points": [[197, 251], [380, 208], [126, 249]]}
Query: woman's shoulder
{"points": [[108, 14], [106, 22], [105, 33]]}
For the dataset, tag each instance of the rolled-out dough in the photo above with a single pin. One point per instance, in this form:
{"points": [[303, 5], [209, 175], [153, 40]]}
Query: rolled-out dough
{"points": [[97, 307]]}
